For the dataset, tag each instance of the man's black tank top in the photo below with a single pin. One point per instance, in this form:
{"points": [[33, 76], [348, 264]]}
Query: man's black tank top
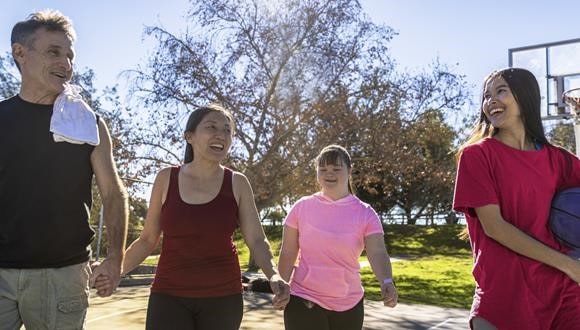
{"points": [[45, 191]]}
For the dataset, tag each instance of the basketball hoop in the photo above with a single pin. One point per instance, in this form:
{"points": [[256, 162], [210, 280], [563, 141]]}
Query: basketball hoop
{"points": [[572, 98]]}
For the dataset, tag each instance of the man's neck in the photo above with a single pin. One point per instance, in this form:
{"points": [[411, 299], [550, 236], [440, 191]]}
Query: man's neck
{"points": [[29, 95]]}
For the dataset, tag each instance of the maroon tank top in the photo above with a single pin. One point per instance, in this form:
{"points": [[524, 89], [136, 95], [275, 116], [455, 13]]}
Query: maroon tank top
{"points": [[198, 257]]}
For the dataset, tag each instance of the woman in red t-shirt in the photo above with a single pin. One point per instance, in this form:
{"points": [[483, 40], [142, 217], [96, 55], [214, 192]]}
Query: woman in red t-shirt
{"points": [[197, 206], [507, 175]]}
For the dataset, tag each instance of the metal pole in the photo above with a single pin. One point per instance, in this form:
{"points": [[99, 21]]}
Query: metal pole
{"points": [[572, 99], [577, 134]]}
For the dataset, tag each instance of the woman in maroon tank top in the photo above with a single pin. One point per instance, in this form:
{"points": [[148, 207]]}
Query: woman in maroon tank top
{"points": [[197, 207]]}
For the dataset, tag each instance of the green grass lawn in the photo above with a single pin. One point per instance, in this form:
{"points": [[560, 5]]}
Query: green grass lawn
{"points": [[419, 241], [436, 269], [434, 280], [151, 260]]}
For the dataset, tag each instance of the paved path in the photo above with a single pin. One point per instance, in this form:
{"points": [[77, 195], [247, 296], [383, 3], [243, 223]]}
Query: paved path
{"points": [[127, 307]]}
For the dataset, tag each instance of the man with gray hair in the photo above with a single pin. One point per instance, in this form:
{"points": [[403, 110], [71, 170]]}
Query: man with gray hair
{"points": [[46, 171]]}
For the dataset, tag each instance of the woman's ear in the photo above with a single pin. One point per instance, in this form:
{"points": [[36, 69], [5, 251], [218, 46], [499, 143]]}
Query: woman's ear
{"points": [[188, 136]]}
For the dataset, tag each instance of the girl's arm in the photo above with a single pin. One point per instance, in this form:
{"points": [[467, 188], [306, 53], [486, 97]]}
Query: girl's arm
{"points": [[381, 266], [508, 235], [141, 248], [288, 252]]}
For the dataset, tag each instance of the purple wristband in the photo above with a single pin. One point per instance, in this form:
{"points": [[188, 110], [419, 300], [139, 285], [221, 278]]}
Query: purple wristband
{"points": [[388, 280]]}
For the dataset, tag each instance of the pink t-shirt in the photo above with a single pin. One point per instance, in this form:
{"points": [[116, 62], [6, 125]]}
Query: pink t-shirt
{"points": [[331, 239], [513, 291]]}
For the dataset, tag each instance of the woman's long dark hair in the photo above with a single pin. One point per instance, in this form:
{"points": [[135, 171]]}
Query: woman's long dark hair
{"points": [[195, 118]]}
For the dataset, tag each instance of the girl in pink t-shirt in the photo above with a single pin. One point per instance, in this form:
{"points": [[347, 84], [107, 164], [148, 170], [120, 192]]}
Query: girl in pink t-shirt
{"points": [[327, 232], [507, 175]]}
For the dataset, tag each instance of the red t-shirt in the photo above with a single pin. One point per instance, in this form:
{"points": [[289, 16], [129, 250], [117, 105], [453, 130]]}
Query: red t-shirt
{"points": [[198, 257], [513, 291]]}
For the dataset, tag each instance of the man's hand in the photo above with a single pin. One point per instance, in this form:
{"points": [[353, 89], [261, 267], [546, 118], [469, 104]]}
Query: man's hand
{"points": [[106, 276], [281, 291]]}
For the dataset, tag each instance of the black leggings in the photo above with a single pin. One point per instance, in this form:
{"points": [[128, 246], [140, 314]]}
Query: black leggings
{"points": [[171, 312], [298, 316]]}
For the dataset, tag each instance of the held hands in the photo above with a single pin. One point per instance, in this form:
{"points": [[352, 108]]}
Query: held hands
{"points": [[105, 277], [281, 291], [389, 294], [103, 285]]}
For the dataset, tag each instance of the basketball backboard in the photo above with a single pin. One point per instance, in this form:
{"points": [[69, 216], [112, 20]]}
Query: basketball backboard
{"points": [[556, 65]]}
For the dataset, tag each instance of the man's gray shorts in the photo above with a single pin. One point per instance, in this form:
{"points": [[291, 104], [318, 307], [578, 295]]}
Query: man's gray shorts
{"points": [[47, 298]]}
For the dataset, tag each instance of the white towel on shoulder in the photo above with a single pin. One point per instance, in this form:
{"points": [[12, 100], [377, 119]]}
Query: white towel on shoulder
{"points": [[72, 119]]}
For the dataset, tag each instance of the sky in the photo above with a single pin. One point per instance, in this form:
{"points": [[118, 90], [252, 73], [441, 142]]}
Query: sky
{"points": [[473, 37]]}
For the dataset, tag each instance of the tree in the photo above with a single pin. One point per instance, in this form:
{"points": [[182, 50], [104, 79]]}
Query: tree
{"points": [[273, 70], [278, 70], [562, 134], [9, 82], [424, 185], [400, 143]]}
